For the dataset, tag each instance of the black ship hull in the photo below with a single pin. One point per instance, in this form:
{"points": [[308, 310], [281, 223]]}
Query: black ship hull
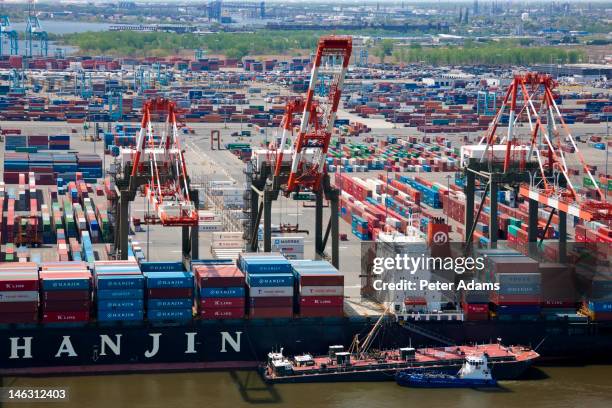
{"points": [[43, 350]]}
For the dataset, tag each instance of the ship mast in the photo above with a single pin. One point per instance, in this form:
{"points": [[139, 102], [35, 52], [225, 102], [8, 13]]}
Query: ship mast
{"points": [[370, 337]]}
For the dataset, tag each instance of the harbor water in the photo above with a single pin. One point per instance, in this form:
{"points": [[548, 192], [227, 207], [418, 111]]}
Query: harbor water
{"points": [[554, 387]]}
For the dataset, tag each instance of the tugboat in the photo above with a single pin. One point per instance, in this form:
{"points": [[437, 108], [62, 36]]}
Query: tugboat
{"points": [[474, 373]]}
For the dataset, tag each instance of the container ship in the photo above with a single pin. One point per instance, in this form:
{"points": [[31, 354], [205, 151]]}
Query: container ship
{"points": [[94, 305]]}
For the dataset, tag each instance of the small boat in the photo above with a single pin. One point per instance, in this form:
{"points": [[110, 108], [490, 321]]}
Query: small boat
{"points": [[474, 373]]}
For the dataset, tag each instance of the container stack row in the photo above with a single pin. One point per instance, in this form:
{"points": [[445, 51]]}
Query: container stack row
{"points": [[169, 295], [119, 291], [19, 288], [319, 288], [221, 291], [66, 292], [269, 278]]}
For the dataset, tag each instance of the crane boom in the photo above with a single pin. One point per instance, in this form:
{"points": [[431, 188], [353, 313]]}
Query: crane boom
{"points": [[318, 115]]}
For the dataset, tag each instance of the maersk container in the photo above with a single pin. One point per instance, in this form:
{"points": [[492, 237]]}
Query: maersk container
{"points": [[120, 282], [222, 292], [169, 314], [169, 303], [270, 280], [160, 280], [127, 304], [120, 294], [123, 315]]}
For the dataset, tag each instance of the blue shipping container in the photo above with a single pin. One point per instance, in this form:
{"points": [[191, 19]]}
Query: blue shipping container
{"points": [[157, 280], [107, 282], [65, 284], [161, 267], [123, 315], [169, 314], [270, 280], [169, 303], [127, 304], [120, 294], [222, 292]]}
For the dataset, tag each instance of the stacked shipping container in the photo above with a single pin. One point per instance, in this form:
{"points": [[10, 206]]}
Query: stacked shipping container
{"points": [[221, 290]]}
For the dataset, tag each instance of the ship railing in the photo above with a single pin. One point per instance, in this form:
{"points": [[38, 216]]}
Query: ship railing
{"points": [[446, 316]]}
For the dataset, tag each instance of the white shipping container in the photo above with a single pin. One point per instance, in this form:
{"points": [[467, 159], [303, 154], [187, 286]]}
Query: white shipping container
{"points": [[219, 183], [281, 291], [321, 290], [289, 248], [227, 192], [227, 236], [294, 256], [19, 296], [227, 244], [288, 241]]}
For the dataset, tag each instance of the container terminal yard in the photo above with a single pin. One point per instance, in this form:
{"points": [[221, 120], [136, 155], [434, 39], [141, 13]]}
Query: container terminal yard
{"points": [[195, 213]]}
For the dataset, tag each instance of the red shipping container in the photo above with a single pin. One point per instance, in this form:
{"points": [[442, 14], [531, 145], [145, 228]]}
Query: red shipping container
{"points": [[558, 304], [64, 295], [60, 317], [321, 301], [219, 276], [66, 305], [476, 316], [285, 301], [6, 318], [212, 303], [18, 307], [270, 312], [476, 307], [222, 313], [321, 312], [321, 280], [170, 293], [15, 283]]}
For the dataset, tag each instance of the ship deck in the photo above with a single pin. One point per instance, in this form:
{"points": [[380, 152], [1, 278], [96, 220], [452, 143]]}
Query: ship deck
{"points": [[429, 357]]}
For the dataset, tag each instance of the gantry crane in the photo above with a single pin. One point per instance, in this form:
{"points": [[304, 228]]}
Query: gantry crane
{"points": [[157, 166], [533, 162], [8, 31], [35, 32], [301, 167]]}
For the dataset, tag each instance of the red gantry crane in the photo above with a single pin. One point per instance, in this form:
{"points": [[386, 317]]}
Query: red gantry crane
{"points": [[535, 153], [157, 165], [301, 166], [551, 143], [167, 190]]}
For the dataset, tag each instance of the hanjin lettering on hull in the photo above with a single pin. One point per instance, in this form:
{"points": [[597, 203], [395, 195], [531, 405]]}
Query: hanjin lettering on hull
{"points": [[109, 345]]}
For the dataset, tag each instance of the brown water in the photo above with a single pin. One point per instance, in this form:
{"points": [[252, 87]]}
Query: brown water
{"points": [[554, 387]]}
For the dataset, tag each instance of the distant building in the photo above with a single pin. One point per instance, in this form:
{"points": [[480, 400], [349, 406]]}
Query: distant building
{"points": [[587, 72]]}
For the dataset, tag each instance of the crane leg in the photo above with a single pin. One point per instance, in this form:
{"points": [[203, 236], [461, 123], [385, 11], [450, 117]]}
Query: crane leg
{"points": [[319, 242]]}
